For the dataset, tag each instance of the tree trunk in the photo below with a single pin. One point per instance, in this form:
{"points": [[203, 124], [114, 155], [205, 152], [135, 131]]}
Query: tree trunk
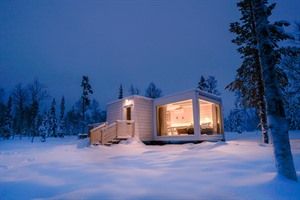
{"points": [[260, 89], [262, 111], [275, 111]]}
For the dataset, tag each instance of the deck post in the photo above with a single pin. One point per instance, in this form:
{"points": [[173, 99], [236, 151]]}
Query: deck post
{"points": [[117, 124]]}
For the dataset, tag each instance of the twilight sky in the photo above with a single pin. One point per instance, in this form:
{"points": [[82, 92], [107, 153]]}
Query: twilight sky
{"points": [[171, 43]]}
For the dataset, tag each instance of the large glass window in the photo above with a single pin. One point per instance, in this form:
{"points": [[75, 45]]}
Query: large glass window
{"points": [[175, 119], [210, 118]]}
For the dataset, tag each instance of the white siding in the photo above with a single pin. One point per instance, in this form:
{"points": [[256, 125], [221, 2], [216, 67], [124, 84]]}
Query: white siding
{"points": [[143, 113], [143, 117], [114, 111]]}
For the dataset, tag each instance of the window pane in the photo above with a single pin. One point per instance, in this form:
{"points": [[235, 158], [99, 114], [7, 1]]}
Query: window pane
{"points": [[175, 119], [210, 118]]}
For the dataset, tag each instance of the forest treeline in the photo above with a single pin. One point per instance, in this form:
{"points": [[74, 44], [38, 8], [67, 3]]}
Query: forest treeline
{"points": [[26, 115], [25, 112]]}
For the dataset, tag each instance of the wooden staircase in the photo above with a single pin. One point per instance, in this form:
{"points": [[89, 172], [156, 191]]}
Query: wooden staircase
{"points": [[112, 134]]}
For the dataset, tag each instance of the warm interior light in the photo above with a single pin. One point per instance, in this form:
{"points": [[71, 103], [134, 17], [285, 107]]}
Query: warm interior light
{"points": [[207, 120]]}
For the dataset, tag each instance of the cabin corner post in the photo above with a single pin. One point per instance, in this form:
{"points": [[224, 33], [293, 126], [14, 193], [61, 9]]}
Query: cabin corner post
{"points": [[133, 129], [222, 121], [154, 125], [196, 113]]}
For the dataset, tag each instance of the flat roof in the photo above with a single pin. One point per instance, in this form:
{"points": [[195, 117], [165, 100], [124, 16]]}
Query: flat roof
{"points": [[200, 92], [129, 97]]}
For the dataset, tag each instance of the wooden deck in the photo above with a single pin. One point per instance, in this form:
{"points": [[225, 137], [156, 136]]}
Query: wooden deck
{"points": [[107, 134]]}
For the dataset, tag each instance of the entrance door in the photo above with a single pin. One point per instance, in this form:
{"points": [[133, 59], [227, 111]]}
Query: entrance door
{"points": [[128, 113]]}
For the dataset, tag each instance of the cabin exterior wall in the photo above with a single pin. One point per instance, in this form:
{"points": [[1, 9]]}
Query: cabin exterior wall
{"points": [[114, 111], [143, 118], [145, 115]]}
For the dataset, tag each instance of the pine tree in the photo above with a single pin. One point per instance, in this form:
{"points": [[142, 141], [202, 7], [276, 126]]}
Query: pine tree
{"points": [[53, 120], [44, 127], [20, 99], [153, 91], [275, 108], [133, 90], [291, 65], [72, 121], [7, 132], [235, 121], [34, 115], [2, 110], [61, 125], [212, 84], [86, 90], [95, 111], [209, 85], [120, 92], [249, 79], [202, 85]]}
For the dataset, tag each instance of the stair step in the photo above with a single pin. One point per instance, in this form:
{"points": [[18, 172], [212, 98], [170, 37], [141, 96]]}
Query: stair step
{"points": [[116, 141], [122, 138]]}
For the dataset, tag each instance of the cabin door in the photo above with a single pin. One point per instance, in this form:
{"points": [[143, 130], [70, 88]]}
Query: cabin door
{"points": [[128, 113]]}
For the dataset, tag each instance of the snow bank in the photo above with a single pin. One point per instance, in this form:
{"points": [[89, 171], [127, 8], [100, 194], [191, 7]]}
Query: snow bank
{"points": [[240, 168]]}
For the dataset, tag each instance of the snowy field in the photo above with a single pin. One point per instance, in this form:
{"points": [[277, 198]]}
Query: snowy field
{"points": [[240, 168]]}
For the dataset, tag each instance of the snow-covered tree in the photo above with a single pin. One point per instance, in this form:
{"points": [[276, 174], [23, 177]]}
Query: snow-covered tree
{"points": [[96, 113], [44, 127], [2, 109], [152, 91], [20, 100], [120, 92], [7, 129], [249, 79], [37, 91], [53, 120], [275, 108], [291, 66], [85, 100], [34, 122], [72, 121], [241, 118], [235, 121], [209, 85], [133, 90], [1, 94], [61, 123]]}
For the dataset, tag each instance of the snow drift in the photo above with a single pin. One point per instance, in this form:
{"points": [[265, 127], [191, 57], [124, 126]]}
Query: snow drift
{"points": [[240, 168]]}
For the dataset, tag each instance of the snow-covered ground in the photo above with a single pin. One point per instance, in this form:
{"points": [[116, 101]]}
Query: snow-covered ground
{"points": [[240, 168]]}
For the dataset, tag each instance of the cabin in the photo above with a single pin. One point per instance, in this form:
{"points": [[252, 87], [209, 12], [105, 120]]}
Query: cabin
{"points": [[189, 116]]}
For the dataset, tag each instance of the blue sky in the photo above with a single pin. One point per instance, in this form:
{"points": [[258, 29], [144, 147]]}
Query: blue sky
{"points": [[171, 43]]}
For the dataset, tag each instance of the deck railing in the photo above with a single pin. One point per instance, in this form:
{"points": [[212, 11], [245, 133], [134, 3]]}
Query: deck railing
{"points": [[121, 129], [95, 133]]}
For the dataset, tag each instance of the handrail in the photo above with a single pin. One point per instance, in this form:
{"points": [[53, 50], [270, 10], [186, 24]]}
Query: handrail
{"points": [[95, 136], [109, 133], [100, 126], [118, 130]]}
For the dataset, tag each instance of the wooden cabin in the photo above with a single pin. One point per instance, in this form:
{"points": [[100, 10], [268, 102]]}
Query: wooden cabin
{"points": [[189, 116]]}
